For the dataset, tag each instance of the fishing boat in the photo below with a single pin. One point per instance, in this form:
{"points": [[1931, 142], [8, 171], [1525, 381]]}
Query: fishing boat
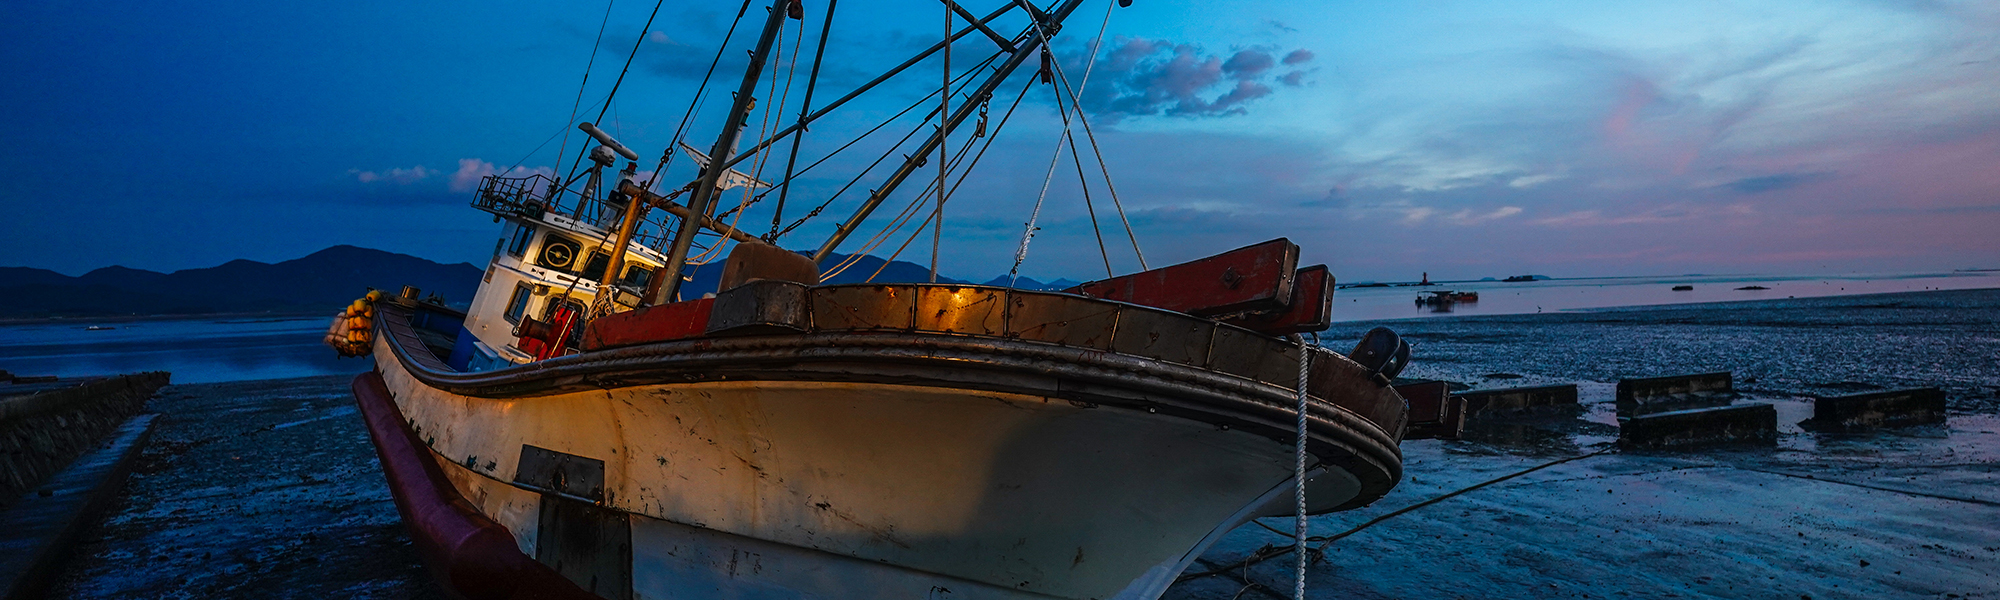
{"points": [[594, 427]]}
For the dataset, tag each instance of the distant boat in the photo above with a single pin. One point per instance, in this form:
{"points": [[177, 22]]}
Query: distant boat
{"points": [[1683, 288], [98, 328], [1519, 278], [1446, 297], [1753, 287]]}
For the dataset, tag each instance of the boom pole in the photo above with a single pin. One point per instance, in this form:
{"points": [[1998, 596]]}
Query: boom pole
{"points": [[704, 191]]}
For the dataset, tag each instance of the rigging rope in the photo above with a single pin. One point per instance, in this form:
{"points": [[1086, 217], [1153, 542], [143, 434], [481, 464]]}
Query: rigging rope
{"points": [[628, 59], [1092, 136], [944, 148], [963, 81], [878, 161], [908, 212], [764, 124], [967, 173], [805, 107], [587, 66], [1028, 231]]}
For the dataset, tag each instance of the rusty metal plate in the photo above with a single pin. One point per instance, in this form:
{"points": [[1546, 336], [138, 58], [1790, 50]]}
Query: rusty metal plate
{"points": [[1243, 353], [964, 309], [1061, 319], [551, 471], [1163, 335], [863, 307], [1280, 366], [760, 307]]}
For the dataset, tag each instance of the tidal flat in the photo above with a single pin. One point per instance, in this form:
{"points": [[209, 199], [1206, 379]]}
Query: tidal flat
{"points": [[271, 489]]}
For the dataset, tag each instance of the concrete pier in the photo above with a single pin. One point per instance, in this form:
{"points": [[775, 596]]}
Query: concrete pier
{"points": [[55, 475], [1891, 408], [45, 425]]}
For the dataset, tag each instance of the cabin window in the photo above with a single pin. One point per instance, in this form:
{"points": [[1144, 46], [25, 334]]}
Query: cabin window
{"points": [[518, 246], [518, 305], [595, 266], [637, 277], [560, 253]]}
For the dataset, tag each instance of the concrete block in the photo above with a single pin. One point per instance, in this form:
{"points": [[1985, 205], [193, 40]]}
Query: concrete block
{"points": [[1891, 408], [1674, 392], [1434, 413], [1748, 423], [1489, 403]]}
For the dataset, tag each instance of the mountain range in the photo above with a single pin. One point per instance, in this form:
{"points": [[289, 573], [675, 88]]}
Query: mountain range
{"points": [[319, 282]]}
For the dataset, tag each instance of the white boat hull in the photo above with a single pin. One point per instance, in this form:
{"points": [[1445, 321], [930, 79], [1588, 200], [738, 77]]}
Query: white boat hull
{"points": [[862, 490]]}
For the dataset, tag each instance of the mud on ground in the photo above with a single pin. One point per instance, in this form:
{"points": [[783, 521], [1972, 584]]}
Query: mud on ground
{"points": [[260, 489]]}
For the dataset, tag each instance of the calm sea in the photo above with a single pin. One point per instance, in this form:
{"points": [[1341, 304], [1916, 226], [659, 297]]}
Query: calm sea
{"points": [[199, 350], [202, 350]]}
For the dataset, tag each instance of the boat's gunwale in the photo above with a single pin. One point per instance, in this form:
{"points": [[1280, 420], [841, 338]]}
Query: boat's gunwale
{"points": [[1096, 377]]}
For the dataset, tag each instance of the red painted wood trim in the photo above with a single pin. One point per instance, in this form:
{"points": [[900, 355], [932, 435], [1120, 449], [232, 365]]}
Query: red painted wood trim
{"points": [[676, 321], [1310, 310], [1257, 277], [471, 555]]}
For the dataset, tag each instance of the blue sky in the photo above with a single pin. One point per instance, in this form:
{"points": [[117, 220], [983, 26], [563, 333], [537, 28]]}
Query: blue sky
{"points": [[1466, 139]]}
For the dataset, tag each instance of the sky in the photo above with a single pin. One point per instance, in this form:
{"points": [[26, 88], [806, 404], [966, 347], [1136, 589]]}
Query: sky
{"points": [[1459, 139]]}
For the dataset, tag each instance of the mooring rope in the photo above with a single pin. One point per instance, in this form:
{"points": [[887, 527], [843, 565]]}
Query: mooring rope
{"points": [[1299, 477]]}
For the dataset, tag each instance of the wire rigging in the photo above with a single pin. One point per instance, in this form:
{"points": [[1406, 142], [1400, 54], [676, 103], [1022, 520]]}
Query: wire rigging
{"points": [[1084, 184], [966, 80], [1088, 134], [805, 107], [968, 170], [648, 28], [895, 225], [944, 147], [587, 67], [1028, 229]]}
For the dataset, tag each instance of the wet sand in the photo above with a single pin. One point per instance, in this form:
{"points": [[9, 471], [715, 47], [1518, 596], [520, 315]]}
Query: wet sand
{"points": [[270, 489]]}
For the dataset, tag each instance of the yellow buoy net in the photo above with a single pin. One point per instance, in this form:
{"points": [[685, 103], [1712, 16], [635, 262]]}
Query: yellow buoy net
{"points": [[353, 330]]}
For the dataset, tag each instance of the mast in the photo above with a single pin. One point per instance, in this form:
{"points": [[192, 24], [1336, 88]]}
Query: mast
{"points": [[1033, 42], [704, 191]]}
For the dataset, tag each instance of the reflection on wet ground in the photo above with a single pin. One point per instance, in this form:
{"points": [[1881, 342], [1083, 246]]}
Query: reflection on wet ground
{"points": [[1903, 513]]}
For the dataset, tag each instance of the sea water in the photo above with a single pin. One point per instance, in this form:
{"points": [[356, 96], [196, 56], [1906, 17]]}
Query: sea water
{"points": [[195, 350], [1551, 295]]}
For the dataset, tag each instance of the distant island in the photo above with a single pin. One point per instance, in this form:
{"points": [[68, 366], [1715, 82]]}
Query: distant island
{"points": [[320, 282]]}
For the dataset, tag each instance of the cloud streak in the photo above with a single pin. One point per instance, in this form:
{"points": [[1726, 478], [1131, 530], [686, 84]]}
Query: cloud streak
{"points": [[1148, 77]]}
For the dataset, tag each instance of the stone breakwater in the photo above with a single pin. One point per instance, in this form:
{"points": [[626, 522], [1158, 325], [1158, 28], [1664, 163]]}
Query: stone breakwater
{"points": [[45, 429]]}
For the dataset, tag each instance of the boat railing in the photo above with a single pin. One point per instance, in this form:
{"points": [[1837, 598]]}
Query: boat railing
{"points": [[523, 196], [537, 194]]}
